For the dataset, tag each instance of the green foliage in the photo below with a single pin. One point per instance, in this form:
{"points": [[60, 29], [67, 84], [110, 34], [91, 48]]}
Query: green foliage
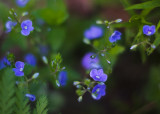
{"points": [[145, 5], [12, 96], [153, 87], [54, 14], [41, 105], [3, 12], [56, 61], [55, 38], [22, 106], [27, 69], [7, 91]]}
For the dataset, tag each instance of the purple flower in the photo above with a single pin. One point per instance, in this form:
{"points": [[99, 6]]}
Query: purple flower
{"points": [[26, 27], [93, 32], [115, 36], [31, 97], [31, 59], [19, 68], [98, 91], [10, 25], [21, 3], [98, 75], [4, 63], [90, 63], [62, 78], [149, 30]]}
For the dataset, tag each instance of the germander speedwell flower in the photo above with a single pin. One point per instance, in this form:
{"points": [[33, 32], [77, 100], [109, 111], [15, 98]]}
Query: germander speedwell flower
{"points": [[19, 68], [62, 78], [115, 36], [31, 59], [98, 75], [93, 32], [21, 3], [149, 30], [26, 27], [98, 91], [31, 97]]}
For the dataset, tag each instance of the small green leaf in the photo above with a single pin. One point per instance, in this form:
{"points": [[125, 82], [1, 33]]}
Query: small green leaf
{"points": [[145, 5], [80, 92]]}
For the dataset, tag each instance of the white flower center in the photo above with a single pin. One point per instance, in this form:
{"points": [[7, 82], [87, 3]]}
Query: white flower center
{"points": [[21, 69], [25, 27], [149, 32], [97, 77], [98, 90]]}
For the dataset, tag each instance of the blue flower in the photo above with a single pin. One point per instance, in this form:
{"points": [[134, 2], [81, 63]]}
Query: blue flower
{"points": [[149, 30], [21, 3], [4, 63], [93, 32], [115, 36], [43, 50], [31, 97], [26, 27], [98, 91], [98, 75], [10, 25], [90, 63], [62, 78], [31, 59], [19, 68]]}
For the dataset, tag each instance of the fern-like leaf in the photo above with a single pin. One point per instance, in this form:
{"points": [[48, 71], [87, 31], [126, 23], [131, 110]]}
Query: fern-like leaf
{"points": [[7, 91], [41, 105]]}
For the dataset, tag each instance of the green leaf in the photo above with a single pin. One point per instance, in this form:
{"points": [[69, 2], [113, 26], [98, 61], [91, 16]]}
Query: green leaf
{"points": [[7, 91], [80, 92], [27, 69], [54, 14], [41, 106], [145, 5], [87, 82], [3, 12], [56, 37], [22, 106]]}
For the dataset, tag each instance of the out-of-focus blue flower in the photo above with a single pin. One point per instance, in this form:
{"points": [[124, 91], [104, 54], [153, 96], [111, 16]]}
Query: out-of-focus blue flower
{"points": [[62, 78], [30, 59], [90, 63], [26, 27], [4, 63], [22, 3], [149, 30], [43, 50], [98, 75], [115, 36], [10, 25], [40, 22], [19, 68], [93, 32], [98, 91], [31, 97]]}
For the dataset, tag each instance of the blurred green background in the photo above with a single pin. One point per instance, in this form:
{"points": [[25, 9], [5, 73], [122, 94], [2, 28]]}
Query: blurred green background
{"points": [[132, 87]]}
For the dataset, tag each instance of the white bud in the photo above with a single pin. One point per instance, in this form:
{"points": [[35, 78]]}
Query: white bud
{"points": [[118, 20], [24, 13], [99, 22], [45, 60], [80, 99], [86, 41], [76, 83], [35, 75], [57, 83], [153, 46], [133, 47]]}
